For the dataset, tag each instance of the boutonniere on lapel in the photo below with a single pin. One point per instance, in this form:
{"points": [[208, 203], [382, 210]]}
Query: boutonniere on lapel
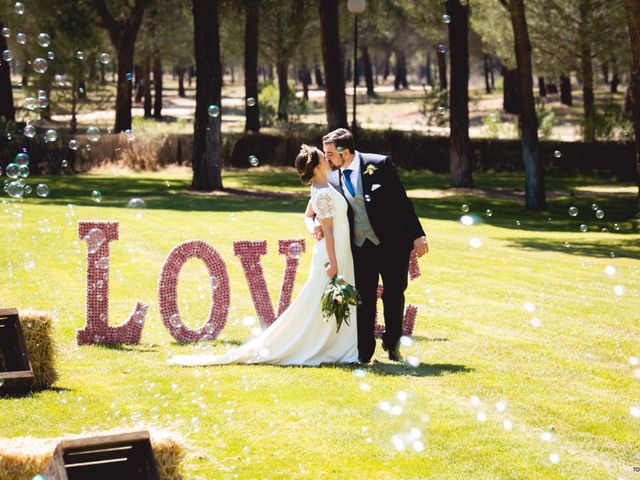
{"points": [[370, 169]]}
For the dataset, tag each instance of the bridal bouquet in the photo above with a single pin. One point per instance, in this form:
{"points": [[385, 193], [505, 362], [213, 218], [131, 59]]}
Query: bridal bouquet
{"points": [[336, 300]]}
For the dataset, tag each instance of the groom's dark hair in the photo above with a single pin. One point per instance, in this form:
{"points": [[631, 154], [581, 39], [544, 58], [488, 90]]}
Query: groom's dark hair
{"points": [[341, 138]]}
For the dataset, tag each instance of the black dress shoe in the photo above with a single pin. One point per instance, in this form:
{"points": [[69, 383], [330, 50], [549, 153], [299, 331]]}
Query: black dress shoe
{"points": [[394, 353]]}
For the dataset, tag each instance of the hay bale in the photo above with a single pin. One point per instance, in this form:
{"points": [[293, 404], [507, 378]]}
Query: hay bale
{"points": [[22, 458], [37, 327]]}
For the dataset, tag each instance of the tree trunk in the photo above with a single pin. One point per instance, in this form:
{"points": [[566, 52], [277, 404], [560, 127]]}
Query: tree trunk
{"points": [[103, 74], [139, 83], [368, 71], [157, 86], [207, 155], [146, 86], [492, 76], [487, 82], [510, 92], [401, 70], [181, 91], [123, 33], [459, 152], [335, 99], [282, 69], [633, 21], [587, 72], [442, 69], [533, 168], [615, 81], [251, 30], [566, 91], [7, 109], [605, 71], [542, 87], [319, 79], [348, 74], [429, 72], [305, 77], [387, 67]]}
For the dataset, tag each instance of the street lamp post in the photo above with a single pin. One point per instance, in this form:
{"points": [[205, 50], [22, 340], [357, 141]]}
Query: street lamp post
{"points": [[356, 7]]}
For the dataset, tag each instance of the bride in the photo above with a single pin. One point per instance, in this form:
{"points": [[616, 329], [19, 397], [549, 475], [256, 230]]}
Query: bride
{"points": [[301, 336]]}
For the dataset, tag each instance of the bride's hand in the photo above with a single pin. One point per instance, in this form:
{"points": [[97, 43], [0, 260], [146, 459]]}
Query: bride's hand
{"points": [[332, 271]]}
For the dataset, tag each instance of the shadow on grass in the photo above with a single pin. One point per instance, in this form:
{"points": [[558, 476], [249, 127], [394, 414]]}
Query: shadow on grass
{"points": [[279, 191], [404, 370], [34, 393], [619, 247]]}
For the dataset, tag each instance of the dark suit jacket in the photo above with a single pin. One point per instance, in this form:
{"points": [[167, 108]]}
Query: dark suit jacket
{"points": [[390, 211]]}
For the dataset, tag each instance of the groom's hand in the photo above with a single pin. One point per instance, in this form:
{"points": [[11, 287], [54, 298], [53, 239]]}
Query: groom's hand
{"points": [[421, 246], [318, 234]]}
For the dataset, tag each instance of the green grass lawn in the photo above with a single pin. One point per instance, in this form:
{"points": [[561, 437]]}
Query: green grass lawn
{"points": [[571, 375]]}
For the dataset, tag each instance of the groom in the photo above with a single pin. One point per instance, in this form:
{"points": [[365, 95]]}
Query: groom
{"points": [[384, 230]]}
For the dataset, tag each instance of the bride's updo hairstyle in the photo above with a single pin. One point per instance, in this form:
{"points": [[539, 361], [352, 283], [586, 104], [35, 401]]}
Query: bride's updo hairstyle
{"points": [[306, 162]]}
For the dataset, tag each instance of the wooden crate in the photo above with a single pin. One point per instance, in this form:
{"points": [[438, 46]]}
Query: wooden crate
{"points": [[126, 456], [16, 373]]}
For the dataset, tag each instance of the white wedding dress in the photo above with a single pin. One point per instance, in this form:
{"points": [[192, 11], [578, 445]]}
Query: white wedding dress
{"points": [[301, 336]]}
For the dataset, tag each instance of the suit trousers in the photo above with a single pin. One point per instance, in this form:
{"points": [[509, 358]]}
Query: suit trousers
{"points": [[391, 262]]}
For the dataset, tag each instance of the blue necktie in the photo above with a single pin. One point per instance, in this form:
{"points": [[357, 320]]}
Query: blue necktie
{"points": [[348, 184]]}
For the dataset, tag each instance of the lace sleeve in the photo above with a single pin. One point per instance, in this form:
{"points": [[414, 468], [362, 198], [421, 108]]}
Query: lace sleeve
{"points": [[323, 205]]}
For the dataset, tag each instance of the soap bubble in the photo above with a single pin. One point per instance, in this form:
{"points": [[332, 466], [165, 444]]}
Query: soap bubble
{"points": [[599, 214], [80, 55], [104, 58], [21, 38], [213, 111], [128, 76], [95, 238], [557, 154], [42, 190], [93, 134], [251, 101], [44, 40], [583, 228], [29, 131], [294, 250], [253, 161], [73, 144], [15, 189], [446, 19], [19, 8], [7, 55], [475, 242], [573, 211], [6, 32], [619, 290], [13, 170], [136, 203], [442, 48], [96, 196], [40, 65], [51, 135], [175, 320], [22, 159]]}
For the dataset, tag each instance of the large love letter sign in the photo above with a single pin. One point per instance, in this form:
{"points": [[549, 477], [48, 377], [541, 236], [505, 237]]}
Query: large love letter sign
{"points": [[97, 331], [168, 291], [250, 253], [410, 314]]}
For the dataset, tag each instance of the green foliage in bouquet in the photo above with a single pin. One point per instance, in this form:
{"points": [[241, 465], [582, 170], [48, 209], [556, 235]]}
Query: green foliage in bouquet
{"points": [[336, 300]]}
